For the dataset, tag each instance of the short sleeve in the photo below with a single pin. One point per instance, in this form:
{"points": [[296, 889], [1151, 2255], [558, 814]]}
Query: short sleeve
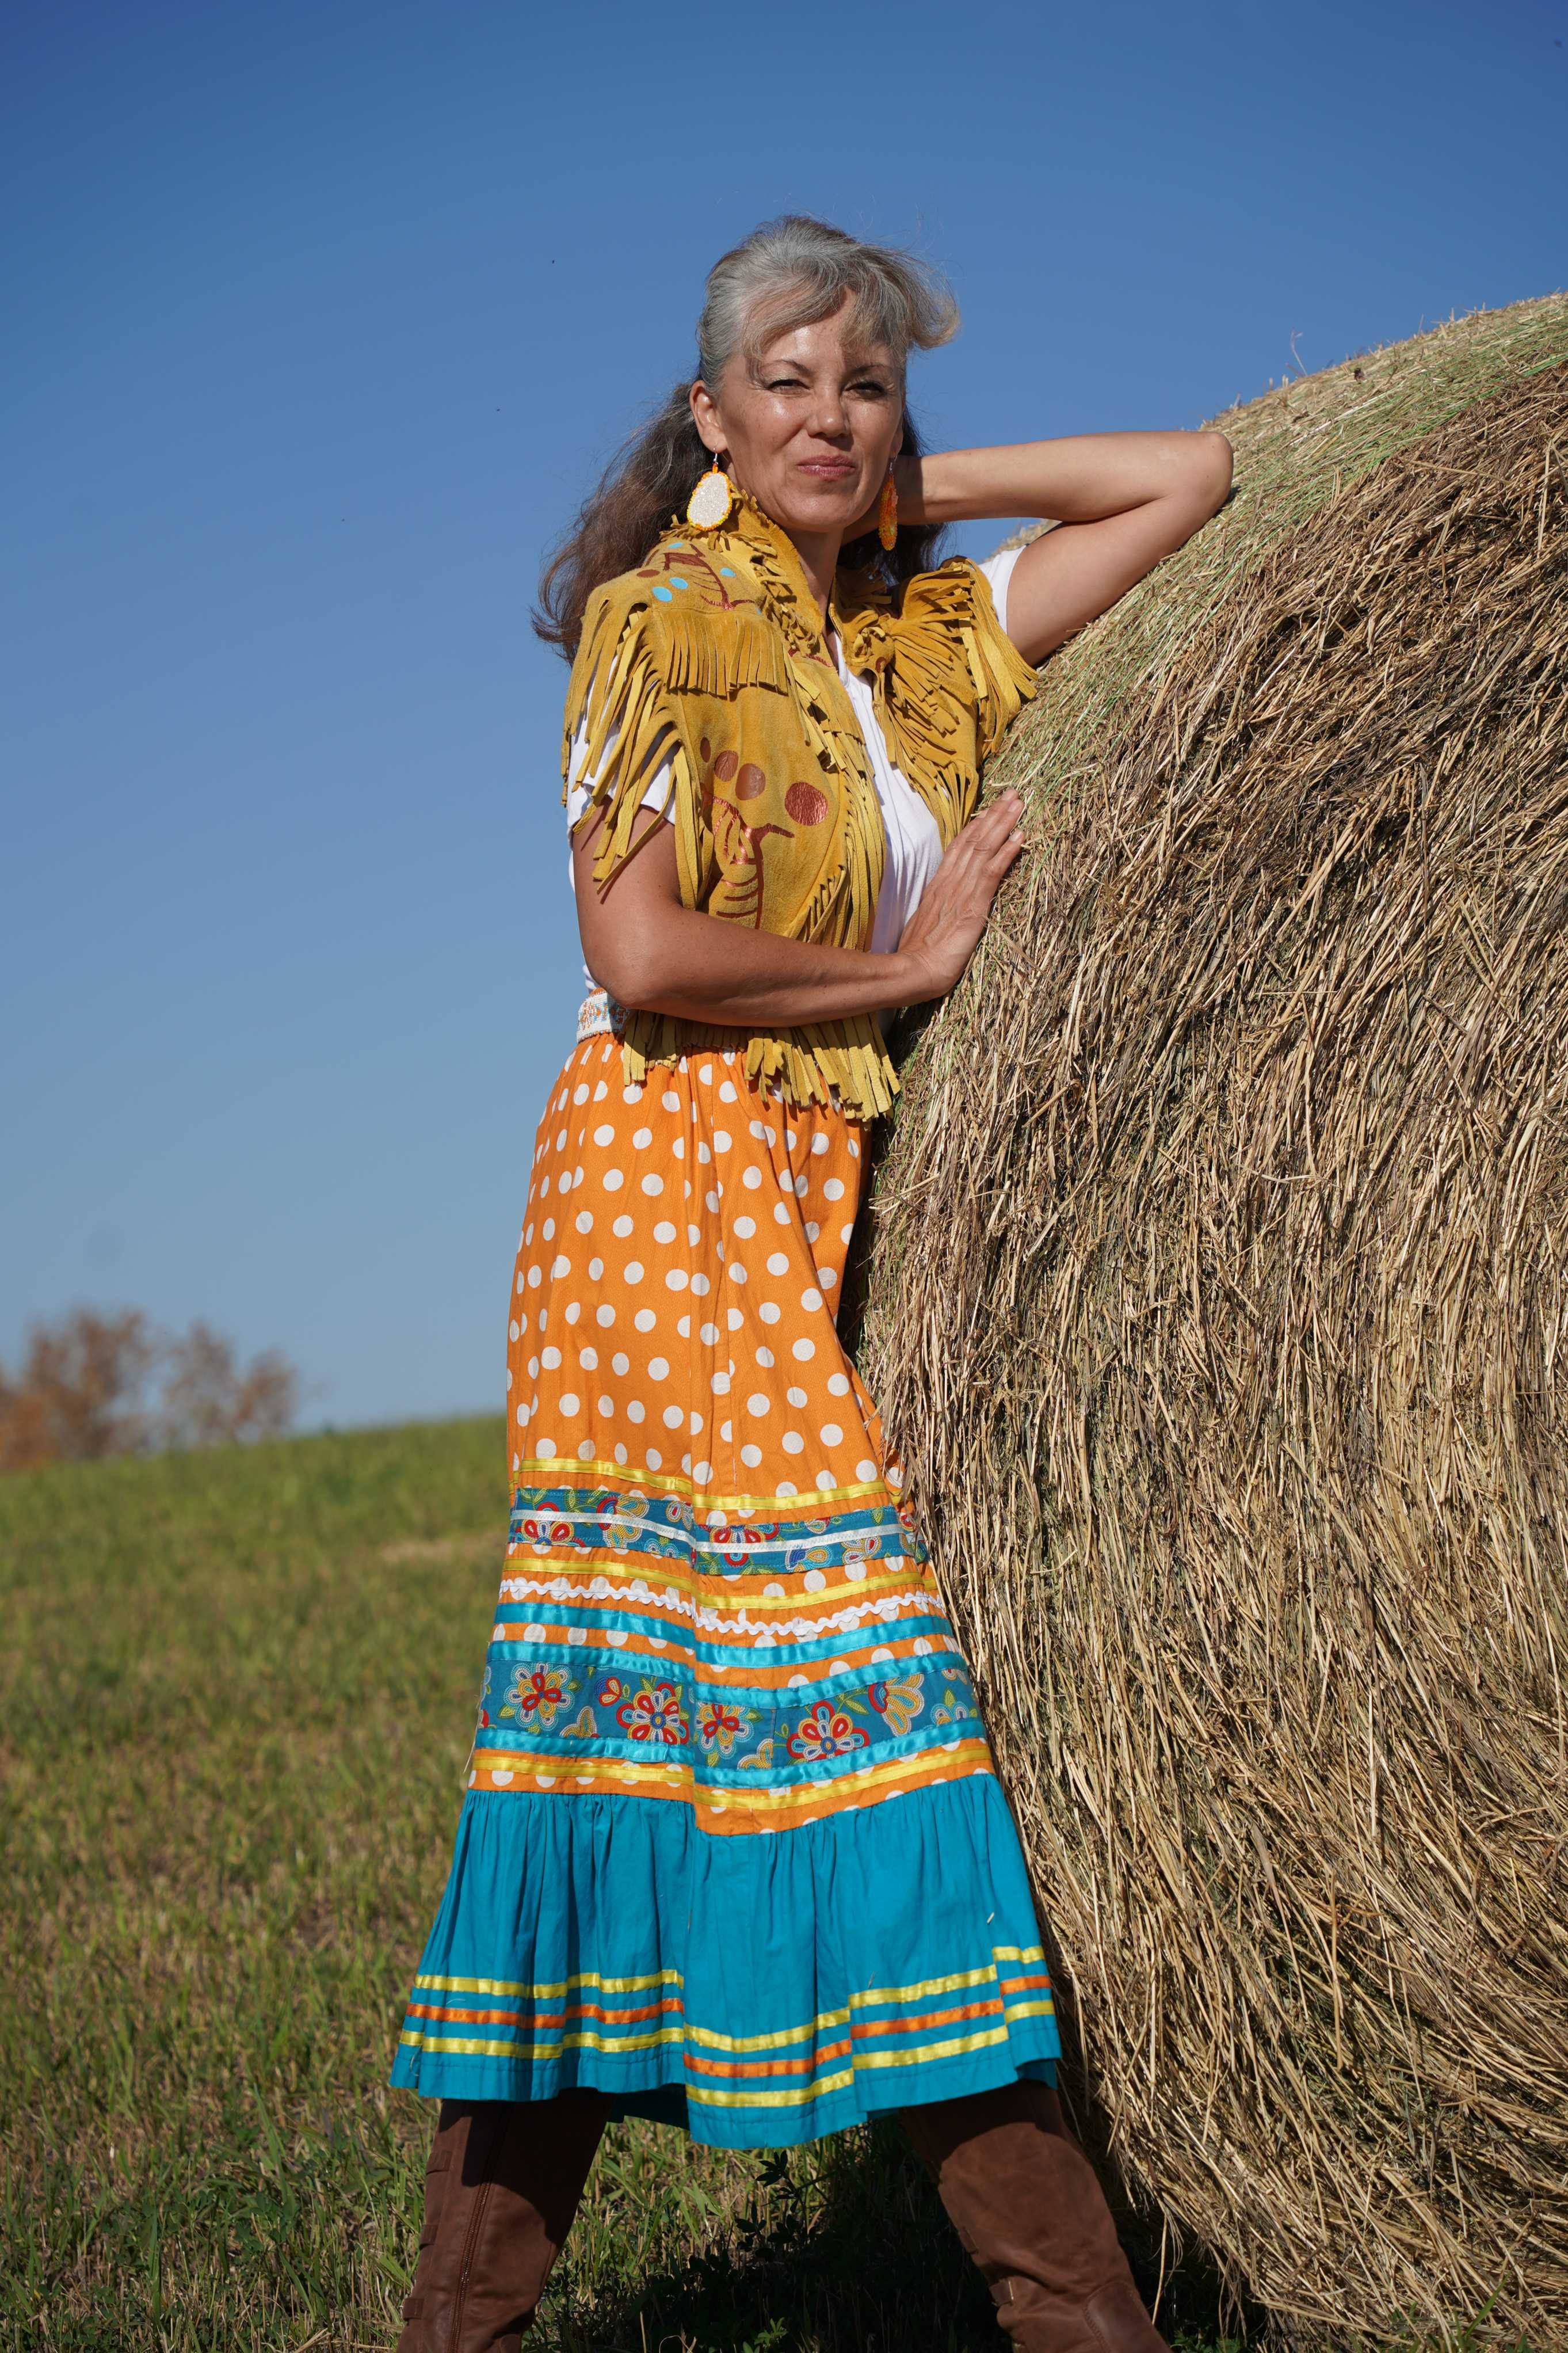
{"points": [[998, 571], [655, 793]]}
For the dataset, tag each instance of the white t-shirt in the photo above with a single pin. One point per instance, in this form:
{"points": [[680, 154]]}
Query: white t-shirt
{"points": [[914, 845]]}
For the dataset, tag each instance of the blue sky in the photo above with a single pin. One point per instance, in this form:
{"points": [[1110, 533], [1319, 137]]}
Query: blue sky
{"points": [[321, 319]]}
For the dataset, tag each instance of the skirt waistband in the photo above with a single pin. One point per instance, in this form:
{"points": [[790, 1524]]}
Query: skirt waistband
{"points": [[600, 1016]]}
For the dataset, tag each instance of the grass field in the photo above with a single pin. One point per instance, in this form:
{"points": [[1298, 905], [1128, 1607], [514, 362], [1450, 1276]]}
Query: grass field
{"points": [[238, 1693]]}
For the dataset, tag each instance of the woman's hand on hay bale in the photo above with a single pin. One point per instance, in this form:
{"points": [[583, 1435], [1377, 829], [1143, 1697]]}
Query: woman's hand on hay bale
{"points": [[941, 935]]}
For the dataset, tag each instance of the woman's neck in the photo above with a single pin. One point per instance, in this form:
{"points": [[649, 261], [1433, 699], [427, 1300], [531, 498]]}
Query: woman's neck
{"points": [[817, 551], [819, 554]]}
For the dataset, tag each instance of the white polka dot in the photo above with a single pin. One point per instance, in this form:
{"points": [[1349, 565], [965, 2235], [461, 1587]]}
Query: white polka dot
{"points": [[845, 1232], [620, 1363], [572, 1313], [811, 1301], [778, 1264], [676, 1279], [631, 1095], [812, 1230], [768, 1311], [595, 1268], [550, 1358], [735, 1271], [673, 1417], [839, 1385], [788, 1487], [865, 1469], [723, 1139], [753, 1178], [745, 1228], [589, 1359], [613, 1180], [635, 1410], [584, 1221], [826, 1277], [756, 1404], [733, 1318], [653, 1458], [606, 1405], [834, 1189], [712, 1200], [854, 1149], [709, 1334], [819, 1144], [533, 1368], [645, 1319], [751, 1456], [700, 1285], [621, 1455], [700, 1473], [683, 1326], [604, 1317], [585, 1449], [727, 1093], [804, 1349], [800, 1185], [719, 1385], [560, 1141], [670, 1100], [621, 1227], [814, 1581], [830, 1434], [600, 1092], [544, 1448], [795, 1397], [534, 1278], [765, 1356], [633, 1270], [704, 1156], [696, 1424], [603, 1135], [652, 1184], [664, 1231], [522, 1415], [658, 1369], [726, 1431], [579, 1094], [512, 1329], [706, 1075]]}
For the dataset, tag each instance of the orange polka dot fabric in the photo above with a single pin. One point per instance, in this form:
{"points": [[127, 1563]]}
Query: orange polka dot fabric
{"points": [[718, 1658]]}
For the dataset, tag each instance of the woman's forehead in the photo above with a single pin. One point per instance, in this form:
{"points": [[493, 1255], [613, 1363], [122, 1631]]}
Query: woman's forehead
{"points": [[834, 341]]}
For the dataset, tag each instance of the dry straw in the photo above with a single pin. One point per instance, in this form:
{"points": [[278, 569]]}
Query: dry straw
{"points": [[1218, 1305]]}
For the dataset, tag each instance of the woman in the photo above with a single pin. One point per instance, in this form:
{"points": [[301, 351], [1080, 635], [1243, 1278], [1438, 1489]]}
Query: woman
{"points": [[733, 1852]]}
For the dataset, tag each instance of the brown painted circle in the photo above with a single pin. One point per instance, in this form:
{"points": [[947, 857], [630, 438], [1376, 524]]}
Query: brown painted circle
{"points": [[807, 803]]}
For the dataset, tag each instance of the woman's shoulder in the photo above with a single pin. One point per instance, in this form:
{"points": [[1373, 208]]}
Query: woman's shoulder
{"points": [[677, 571]]}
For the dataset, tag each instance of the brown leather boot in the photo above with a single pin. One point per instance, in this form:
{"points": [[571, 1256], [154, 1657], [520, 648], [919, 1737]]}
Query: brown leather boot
{"points": [[1027, 2206], [500, 2189]]}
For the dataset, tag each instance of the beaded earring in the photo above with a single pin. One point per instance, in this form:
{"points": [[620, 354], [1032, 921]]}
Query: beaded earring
{"points": [[710, 502], [887, 513]]}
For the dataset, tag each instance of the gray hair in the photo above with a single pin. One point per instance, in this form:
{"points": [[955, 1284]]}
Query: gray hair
{"points": [[792, 271]]}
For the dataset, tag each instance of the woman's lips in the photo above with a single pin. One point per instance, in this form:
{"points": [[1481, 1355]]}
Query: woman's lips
{"points": [[828, 470]]}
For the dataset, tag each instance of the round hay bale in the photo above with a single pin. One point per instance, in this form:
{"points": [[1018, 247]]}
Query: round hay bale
{"points": [[1218, 1302]]}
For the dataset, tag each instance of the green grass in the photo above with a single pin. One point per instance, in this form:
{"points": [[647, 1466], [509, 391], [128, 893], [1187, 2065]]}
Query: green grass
{"points": [[237, 1689]]}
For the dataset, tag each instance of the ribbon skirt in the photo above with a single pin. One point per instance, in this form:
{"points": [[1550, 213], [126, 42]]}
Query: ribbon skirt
{"points": [[732, 1848]]}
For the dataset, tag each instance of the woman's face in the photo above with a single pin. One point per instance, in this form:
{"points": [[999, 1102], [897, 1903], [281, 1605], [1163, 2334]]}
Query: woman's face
{"points": [[811, 427]]}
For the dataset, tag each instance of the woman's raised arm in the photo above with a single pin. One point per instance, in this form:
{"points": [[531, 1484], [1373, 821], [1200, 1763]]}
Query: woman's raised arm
{"points": [[1119, 501]]}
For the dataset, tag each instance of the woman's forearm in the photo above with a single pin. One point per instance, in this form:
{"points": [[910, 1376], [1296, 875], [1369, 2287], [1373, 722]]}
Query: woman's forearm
{"points": [[1079, 478], [669, 959], [658, 956]]}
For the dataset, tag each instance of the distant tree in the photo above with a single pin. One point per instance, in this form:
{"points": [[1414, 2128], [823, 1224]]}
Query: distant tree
{"points": [[92, 1385], [209, 1399]]}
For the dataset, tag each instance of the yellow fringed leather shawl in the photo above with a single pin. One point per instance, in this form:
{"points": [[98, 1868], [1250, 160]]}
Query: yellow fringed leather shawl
{"points": [[712, 655]]}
